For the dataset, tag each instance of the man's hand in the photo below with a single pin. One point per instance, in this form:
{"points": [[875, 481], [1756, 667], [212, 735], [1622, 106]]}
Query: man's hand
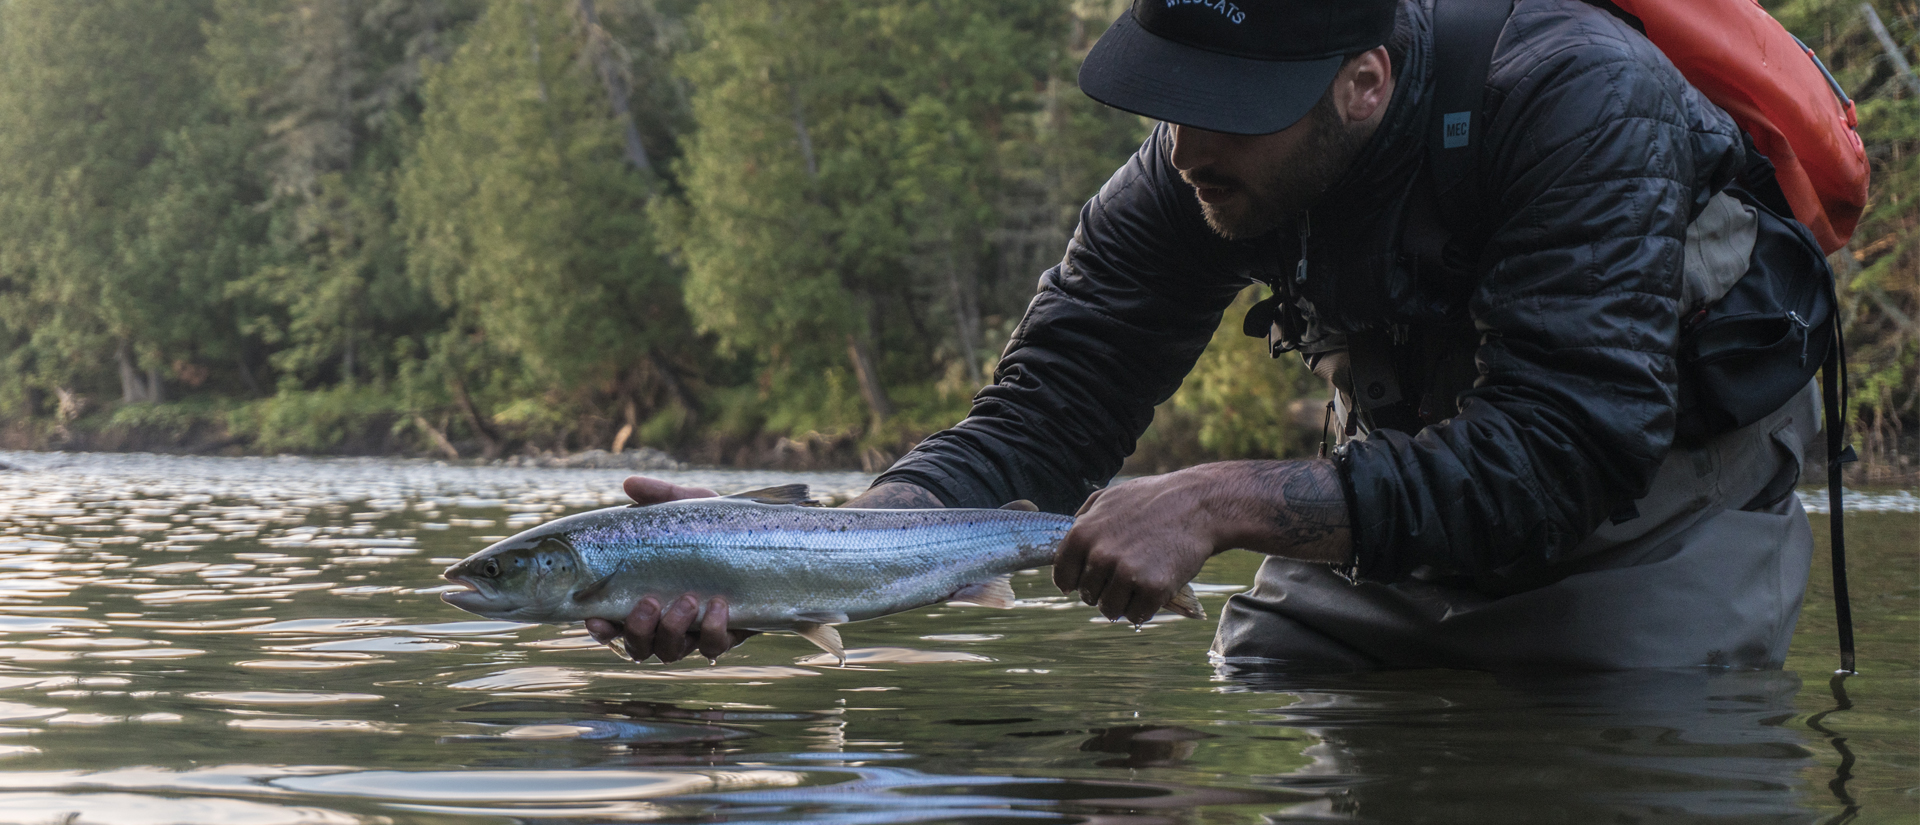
{"points": [[1134, 544], [672, 631], [671, 634]]}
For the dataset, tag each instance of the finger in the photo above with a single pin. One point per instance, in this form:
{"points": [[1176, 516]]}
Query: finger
{"points": [[1069, 560], [671, 641], [644, 490], [1093, 583], [1113, 602], [714, 638], [602, 631], [639, 629], [1141, 606], [1088, 504]]}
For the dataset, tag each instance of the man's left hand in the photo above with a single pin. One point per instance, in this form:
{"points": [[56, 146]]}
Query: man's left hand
{"points": [[1134, 544]]}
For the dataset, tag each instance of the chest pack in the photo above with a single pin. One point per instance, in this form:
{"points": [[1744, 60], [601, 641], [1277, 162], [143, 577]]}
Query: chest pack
{"points": [[1751, 336]]}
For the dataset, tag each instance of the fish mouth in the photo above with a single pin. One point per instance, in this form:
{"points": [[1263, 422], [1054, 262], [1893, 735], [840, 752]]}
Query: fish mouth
{"points": [[472, 597]]}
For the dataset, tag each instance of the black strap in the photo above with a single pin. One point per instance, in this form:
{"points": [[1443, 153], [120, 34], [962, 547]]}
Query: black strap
{"points": [[1833, 388], [1464, 34]]}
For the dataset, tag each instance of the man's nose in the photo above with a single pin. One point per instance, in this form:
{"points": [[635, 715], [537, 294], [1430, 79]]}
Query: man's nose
{"points": [[1193, 148]]}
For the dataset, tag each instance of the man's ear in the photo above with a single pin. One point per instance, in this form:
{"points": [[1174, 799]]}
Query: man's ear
{"points": [[1364, 86]]}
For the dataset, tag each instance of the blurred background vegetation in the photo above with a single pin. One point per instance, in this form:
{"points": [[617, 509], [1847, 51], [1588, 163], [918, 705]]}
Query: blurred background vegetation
{"points": [[789, 233]]}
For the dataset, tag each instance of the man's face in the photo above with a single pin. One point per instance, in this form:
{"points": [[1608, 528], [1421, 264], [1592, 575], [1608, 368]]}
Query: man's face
{"points": [[1250, 185]]}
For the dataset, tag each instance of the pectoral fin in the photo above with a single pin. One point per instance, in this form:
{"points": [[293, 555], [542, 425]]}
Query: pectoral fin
{"points": [[994, 592], [1187, 604], [782, 494], [593, 591], [824, 637]]}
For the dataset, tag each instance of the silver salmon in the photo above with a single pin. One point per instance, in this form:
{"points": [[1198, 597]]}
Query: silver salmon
{"points": [[779, 565]]}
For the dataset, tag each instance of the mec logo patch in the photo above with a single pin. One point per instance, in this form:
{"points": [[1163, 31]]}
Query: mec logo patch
{"points": [[1453, 129]]}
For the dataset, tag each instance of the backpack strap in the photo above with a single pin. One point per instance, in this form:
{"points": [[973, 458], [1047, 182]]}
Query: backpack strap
{"points": [[1441, 206], [1464, 34], [1833, 389], [1444, 206]]}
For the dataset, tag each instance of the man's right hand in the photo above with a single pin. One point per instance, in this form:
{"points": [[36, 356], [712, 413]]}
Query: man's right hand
{"points": [[670, 632]]}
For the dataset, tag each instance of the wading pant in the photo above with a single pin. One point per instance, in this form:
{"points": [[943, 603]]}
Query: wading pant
{"points": [[1710, 572]]}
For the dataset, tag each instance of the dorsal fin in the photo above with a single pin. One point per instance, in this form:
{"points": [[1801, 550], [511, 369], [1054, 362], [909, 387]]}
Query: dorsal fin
{"points": [[1022, 505], [782, 494], [824, 637]]}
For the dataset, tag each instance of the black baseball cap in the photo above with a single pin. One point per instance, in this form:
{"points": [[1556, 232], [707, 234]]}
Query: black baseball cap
{"points": [[1247, 67]]}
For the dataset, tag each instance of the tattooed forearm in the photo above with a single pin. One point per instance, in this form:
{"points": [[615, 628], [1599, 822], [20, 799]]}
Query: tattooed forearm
{"points": [[896, 495], [1304, 510]]}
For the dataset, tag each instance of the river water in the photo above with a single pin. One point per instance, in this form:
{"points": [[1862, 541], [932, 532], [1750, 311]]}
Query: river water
{"points": [[261, 642]]}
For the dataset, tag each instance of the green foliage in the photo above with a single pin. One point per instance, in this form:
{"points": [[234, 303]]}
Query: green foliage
{"points": [[844, 208], [1238, 402], [1880, 270], [331, 89], [526, 219], [489, 225], [113, 171], [1243, 396], [313, 421]]}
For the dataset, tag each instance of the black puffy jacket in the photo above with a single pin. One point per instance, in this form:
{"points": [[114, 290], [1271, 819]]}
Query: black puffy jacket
{"points": [[1597, 156]]}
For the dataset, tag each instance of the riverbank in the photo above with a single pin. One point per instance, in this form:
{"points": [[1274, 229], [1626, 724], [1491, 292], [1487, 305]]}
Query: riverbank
{"points": [[188, 429]]}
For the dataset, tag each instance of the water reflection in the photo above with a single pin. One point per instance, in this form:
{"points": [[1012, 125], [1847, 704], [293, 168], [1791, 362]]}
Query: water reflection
{"points": [[1635, 746], [1144, 746], [260, 641]]}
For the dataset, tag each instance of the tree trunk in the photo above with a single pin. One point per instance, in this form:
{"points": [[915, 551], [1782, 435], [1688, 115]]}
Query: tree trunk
{"points": [[154, 393], [800, 130], [132, 389], [533, 44], [965, 294], [867, 372], [632, 413], [1887, 44], [439, 438], [489, 440], [346, 359], [675, 387], [246, 370], [600, 49]]}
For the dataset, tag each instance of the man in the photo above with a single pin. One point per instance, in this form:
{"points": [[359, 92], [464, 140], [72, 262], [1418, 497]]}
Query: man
{"points": [[1509, 492]]}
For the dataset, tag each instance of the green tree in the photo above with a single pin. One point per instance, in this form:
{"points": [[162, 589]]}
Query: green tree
{"points": [[524, 203], [843, 207], [115, 195], [332, 86], [1879, 271]]}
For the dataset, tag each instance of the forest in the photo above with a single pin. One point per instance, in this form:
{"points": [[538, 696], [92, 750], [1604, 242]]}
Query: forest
{"points": [[789, 233]]}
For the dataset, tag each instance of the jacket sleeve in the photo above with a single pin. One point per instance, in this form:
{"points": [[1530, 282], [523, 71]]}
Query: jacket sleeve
{"points": [[1109, 335], [1591, 182]]}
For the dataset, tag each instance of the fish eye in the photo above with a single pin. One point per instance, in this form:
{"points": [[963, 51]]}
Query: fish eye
{"points": [[490, 568]]}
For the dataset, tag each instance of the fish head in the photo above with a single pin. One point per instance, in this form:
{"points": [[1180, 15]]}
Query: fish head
{"points": [[528, 577]]}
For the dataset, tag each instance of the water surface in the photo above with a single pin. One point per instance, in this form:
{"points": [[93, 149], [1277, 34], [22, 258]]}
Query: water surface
{"points": [[260, 641]]}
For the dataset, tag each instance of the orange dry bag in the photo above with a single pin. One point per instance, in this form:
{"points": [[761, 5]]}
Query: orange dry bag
{"points": [[1775, 88]]}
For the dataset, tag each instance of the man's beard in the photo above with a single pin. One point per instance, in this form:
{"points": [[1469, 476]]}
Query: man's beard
{"points": [[1267, 204]]}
